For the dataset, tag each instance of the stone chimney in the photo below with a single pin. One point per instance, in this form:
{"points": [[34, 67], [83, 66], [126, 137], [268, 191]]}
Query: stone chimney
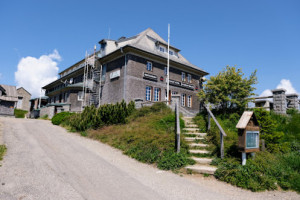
{"points": [[279, 101], [292, 101]]}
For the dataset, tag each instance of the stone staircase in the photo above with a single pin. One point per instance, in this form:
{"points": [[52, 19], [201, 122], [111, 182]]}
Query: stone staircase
{"points": [[197, 148]]}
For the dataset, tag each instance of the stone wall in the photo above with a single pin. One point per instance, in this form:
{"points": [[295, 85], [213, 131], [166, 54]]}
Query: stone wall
{"points": [[47, 111], [7, 108]]}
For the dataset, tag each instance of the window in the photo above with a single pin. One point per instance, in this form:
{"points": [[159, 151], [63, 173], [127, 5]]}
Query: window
{"points": [[189, 77], [148, 93], [149, 66], [183, 99], [189, 101], [103, 73], [174, 92], [80, 95], [166, 70], [252, 139], [162, 49], [156, 94], [171, 53], [182, 76]]}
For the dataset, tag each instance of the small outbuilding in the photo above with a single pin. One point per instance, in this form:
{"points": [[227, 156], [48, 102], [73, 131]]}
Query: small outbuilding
{"points": [[248, 132]]}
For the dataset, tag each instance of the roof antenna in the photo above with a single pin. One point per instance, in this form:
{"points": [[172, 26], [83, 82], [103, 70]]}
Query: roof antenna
{"points": [[108, 33]]}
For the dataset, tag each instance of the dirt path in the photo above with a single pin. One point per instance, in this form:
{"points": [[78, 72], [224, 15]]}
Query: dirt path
{"points": [[46, 162]]}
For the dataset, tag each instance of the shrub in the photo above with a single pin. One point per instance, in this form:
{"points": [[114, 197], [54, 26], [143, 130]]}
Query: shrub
{"points": [[108, 114], [20, 113], [60, 117], [264, 172]]}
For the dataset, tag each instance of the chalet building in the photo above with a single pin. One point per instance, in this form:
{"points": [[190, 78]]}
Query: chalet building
{"points": [[133, 68]]}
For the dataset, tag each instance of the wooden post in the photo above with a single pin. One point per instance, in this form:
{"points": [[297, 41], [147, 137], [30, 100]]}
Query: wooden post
{"points": [[263, 146], [243, 158], [177, 127], [208, 124], [222, 145]]}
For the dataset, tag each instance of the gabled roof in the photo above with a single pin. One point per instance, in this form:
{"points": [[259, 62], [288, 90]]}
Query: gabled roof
{"points": [[23, 89], [148, 41], [11, 93], [244, 120]]}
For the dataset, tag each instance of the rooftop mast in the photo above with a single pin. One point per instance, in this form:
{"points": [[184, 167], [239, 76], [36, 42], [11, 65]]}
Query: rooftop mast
{"points": [[168, 65]]}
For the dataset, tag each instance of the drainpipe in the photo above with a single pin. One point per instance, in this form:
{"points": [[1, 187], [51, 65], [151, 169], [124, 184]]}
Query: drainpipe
{"points": [[125, 73]]}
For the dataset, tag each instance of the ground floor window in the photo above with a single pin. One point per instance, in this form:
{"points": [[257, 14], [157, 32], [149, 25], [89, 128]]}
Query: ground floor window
{"points": [[189, 101], [156, 94], [80, 95], [148, 93], [183, 99]]}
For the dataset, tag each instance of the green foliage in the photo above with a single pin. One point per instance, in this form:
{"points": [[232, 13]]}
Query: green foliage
{"points": [[59, 117], [44, 117], [269, 130], [228, 123], [171, 160], [264, 172], [2, 151], [201, 120], [94, 118], [229, 90], [20, 113], [147, 138]]}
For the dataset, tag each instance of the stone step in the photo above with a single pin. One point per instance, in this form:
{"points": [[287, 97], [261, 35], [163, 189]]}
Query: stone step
{"points": [[194, 130], [202, 160], [197, 134], [191, 139], [191, 126], [198, 151], [198, 145], [202, 169]]}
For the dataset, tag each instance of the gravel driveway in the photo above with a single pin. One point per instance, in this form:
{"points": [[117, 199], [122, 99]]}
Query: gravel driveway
{"points": [[46, 162]]}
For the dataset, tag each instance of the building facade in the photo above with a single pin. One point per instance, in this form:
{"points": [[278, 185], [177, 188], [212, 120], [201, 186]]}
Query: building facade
{"points": [[132, 68], [23, 99], [8, 99]]}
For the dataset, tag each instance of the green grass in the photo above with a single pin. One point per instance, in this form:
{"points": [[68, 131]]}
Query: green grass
{"points": [[148, 136], [20, 113], [2, 151]]}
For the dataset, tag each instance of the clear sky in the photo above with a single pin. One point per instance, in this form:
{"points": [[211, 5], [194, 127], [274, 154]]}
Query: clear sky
{"points": [[256, 34]]}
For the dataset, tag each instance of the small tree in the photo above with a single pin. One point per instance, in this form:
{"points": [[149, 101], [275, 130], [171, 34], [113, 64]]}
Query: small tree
{"points": [[229, 91]]}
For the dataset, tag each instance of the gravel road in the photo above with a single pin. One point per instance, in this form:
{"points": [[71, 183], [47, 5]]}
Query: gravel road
{"points": [[46, 162]]}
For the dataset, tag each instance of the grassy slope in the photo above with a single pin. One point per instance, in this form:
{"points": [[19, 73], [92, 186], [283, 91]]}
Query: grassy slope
{"points": [[148, 137]]}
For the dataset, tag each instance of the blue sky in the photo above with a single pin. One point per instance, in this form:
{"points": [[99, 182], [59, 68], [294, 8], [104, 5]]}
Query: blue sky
{"points": [[257, 34]]}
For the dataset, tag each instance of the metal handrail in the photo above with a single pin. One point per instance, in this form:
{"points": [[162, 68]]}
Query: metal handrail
{"points": [[222, 132]]}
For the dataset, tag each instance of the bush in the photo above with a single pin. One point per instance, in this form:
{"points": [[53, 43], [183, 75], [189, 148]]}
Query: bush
{"points": [[60, 117], [20, 113], [108, 114], [264, 172]]}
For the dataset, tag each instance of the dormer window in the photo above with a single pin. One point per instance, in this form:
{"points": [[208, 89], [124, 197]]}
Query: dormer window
{"points": [[162, 49], [182, 76], [171, 53]]}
